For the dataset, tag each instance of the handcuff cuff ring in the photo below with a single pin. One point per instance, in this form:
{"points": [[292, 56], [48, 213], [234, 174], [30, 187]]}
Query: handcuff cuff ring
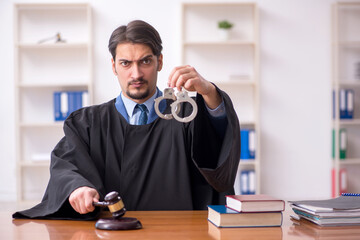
{"points": [[183, 97], [168, 94]]}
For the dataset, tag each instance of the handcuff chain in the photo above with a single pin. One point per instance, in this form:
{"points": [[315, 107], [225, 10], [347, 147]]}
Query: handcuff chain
{"points": [[180, 97]]}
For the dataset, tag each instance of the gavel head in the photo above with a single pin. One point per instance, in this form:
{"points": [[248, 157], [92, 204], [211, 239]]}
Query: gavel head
{"points": [[115, 204]]}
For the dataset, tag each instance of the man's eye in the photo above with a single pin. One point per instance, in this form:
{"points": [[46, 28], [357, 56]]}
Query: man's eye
{"points": [[124, 63], [146, 61]]}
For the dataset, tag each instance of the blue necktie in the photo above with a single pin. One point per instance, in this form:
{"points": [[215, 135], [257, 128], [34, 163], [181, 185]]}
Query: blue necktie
{"points": [[143, 115]]}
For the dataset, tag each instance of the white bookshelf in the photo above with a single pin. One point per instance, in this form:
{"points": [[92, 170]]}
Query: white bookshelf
{"points": [[346, 60], [232, 64], [40, 70]]}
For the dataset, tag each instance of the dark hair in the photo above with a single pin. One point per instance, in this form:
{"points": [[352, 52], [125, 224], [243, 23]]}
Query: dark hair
{"points": [[136, 31]]}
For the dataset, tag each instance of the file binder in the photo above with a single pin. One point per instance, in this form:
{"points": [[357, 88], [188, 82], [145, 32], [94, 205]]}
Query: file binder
{"points": [[247, 182], [248, 144], [350, 103], [65, 102], [342, 103]]}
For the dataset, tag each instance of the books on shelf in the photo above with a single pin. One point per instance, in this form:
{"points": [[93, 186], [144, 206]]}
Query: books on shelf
{"points": [[65, 102], [255, 203], [346, 103], [340, 211], [221, 216], [342, 143], [248, 144], [247, 182], [342, 181]]}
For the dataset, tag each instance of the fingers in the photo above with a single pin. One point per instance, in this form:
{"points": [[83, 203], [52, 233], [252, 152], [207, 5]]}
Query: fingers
{"points": [[180, 76], [82, 199]]}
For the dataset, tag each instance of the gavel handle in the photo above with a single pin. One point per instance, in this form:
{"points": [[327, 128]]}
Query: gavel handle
{"points": [[100, 204]]}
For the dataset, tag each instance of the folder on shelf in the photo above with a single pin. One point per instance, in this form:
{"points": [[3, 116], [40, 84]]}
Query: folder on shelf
{"points": [[342, 182], [349, 103], [64, 105], [252, 144], [346, 103], [248, 144], [342, 143], [342, 103], [247, 182], [65, 102], [244, 135]]}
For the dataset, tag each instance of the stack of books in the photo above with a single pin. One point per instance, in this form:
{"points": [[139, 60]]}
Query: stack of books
{"points": [[247, 211], [340, 211]]}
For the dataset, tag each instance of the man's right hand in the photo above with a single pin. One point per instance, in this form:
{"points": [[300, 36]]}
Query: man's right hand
{"points": [[82, 198]]}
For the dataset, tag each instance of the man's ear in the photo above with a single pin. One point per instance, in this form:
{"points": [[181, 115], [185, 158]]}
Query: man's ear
{"points": [[160, 62], [113, 66]]}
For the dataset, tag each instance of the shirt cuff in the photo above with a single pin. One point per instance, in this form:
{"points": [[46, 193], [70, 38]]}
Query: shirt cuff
{"points": [[218, 112]]}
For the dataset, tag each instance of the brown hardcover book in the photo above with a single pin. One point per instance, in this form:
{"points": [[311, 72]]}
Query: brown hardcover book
{"points": [[254, 203]]}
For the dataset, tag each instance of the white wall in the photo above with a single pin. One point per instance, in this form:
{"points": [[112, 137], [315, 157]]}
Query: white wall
{"points": [[295, 76]]}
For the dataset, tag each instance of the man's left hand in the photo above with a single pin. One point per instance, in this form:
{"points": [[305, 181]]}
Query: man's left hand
{"points": [[191, 80]]}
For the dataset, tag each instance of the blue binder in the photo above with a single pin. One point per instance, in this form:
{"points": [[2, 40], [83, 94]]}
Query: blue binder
{"points": [[57, 106], [244, 135]]}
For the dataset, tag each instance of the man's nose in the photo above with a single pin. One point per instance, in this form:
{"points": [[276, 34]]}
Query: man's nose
{"points": [[136, 72]]}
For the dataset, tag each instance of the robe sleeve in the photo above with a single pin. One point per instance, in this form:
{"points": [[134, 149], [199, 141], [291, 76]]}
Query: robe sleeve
{"points": [[217, 157], [71, 167]]}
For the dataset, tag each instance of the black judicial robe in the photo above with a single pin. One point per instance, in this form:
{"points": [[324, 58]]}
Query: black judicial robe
{"points": [[164, 165]]}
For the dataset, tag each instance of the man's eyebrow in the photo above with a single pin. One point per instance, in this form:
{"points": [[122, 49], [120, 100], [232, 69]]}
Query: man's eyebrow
{"points": [[146, 57], [141, 59]]}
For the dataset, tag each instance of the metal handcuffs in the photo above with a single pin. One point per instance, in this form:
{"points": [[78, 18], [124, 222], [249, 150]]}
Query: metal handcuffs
{"points": [[180, 97]]}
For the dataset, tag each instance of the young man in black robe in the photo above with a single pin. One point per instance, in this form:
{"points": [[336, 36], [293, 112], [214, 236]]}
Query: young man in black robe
{"points": [[161, 165]]}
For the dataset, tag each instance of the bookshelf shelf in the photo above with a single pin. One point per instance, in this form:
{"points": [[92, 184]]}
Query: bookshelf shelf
{"points": [[36, 46], [237, 74], [40, 70], [41, 125], [350, 161], [76, 84], [34, 164], [346, 78], [217, 43], [349, 122]]}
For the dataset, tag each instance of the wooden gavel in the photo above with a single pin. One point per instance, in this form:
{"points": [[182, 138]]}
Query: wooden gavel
{"points": [[116, 206]]}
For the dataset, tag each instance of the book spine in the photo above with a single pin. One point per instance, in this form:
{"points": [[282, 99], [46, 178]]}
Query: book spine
{"points": [[252, 144], [57, 106], [244, 153], [85, 99], [64, 107], [333, 143], [342, 143], [72, 102], [350, 103], [342, 103], [343, 180], [244, 182], [252, 182]]}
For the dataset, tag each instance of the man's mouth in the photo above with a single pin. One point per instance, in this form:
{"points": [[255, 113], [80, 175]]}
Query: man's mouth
{"points": [[137, 84]]}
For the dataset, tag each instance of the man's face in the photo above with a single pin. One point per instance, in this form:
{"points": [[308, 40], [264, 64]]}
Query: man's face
{"points": [[136, 68]]}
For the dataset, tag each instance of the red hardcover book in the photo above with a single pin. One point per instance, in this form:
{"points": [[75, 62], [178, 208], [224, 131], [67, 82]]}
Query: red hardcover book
{"points": [[254, 203]]}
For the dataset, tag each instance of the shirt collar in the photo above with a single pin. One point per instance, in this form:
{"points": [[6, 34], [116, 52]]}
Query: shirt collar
{"points": [[130, 104]]}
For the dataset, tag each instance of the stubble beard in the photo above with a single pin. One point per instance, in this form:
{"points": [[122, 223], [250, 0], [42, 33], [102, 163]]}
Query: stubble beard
{"points": [[138, 95]]}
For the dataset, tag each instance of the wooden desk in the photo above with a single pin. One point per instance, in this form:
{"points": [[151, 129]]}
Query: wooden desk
{"points": [[166, 225]]}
